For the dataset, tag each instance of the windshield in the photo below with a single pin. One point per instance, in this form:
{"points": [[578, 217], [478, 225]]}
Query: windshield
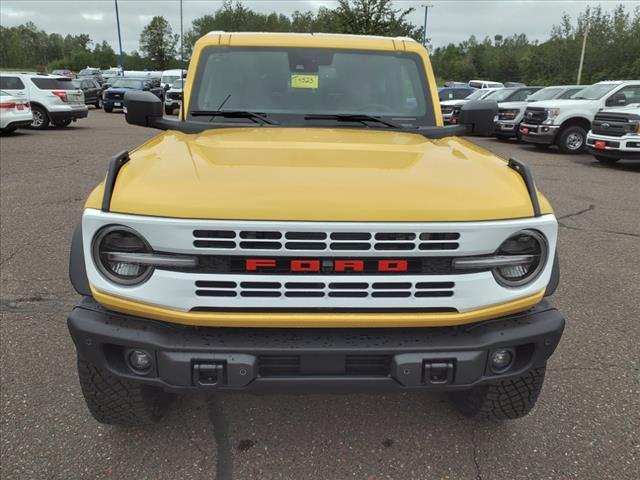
{"points": [[87, 72], [544, 94], [291, 83], [127, 83], [477, 95], [177, 84], [170, 78], [500, 95], [594, 92]]}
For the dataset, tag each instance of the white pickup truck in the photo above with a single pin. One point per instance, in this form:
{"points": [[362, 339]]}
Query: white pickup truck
{"points": [[615, 134], [565, 123]]}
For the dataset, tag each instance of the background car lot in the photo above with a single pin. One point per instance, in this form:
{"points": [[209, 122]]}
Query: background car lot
{"points": [[585, 425]]}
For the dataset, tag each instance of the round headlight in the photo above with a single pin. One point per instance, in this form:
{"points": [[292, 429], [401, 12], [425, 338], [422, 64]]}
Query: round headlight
{"points": [[115, 239], [531, 247]]}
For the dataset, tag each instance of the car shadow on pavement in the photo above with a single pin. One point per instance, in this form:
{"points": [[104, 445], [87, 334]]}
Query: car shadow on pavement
{"points": [[230, 436]]}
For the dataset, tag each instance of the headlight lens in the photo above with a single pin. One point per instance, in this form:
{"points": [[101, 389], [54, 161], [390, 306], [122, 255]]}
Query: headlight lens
{"points": [[120, 239], [530, 245], [552, 114]]}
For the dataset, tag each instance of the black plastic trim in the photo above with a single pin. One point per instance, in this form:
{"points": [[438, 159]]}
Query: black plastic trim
{"points": [[524, 171], [102, 337], [115, 164], [77, 269], [554, 281]]}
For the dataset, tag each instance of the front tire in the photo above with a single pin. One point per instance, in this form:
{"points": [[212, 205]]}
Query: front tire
{"points": [[504, 400], [606, 160], [168, 110], [572, 139], [108, 108], [40, 118], [117, 401]]}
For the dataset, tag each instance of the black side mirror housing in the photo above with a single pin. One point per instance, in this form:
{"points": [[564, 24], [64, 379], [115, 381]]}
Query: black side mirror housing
{"points": [[616, 99], [143, 108], [166, 87], [479, 115]]}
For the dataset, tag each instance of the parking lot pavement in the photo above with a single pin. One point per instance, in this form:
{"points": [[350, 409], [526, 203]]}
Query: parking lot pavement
{"points": [[586, 424]]}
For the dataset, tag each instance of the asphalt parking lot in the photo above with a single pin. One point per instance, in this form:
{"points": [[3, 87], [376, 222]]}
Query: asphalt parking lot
{"points": [[586, 424]]}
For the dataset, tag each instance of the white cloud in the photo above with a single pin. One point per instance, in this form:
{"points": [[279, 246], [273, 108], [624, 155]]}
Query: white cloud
{"points": [[94, 17], [17, 14]]}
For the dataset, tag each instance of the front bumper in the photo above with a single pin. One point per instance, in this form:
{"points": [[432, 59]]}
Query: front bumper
{"points": [[505, 128], [625, 147], [541, 134], [193, 358]]}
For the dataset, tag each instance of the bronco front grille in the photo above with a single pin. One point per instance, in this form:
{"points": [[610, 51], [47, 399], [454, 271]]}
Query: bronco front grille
{"points": [[317, 289], [308, 241]]}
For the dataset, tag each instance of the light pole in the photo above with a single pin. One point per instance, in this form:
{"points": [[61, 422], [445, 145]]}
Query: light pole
{"points": [[119, 39], [426, 13], [584, 46]]}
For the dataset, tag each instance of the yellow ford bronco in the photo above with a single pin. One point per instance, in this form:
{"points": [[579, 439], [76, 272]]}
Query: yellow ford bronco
{"points": [[307, 223]]}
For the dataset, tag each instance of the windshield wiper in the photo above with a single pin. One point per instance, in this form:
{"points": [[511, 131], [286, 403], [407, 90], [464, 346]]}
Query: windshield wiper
{"points": [[256, 117], [354, 117]]}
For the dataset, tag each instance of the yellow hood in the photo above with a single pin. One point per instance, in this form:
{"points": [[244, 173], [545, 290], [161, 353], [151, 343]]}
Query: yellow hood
{"points": [[317, 174]]}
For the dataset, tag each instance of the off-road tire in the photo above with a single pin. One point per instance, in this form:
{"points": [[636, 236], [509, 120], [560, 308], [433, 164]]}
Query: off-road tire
{"points": [[39, 123], [505, 400], [568, 139], [62, 123], [108, 109], [607, 160], [116, 401], [98, 103], [168, 110]]}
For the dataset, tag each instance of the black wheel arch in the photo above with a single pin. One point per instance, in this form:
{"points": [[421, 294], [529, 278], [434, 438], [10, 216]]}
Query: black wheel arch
{"points": [[77, 267], [555, 277]]}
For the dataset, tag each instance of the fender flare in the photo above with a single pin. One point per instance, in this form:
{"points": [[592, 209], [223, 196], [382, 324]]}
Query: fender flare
{"points": [[77, 268], [555, 277]]}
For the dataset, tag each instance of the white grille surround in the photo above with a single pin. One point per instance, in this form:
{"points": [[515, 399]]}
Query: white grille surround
{"points": [[184, 292]]}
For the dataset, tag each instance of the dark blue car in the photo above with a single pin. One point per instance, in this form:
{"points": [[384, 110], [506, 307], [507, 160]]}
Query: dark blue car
{"points": [[454, 93], [114, 96]]}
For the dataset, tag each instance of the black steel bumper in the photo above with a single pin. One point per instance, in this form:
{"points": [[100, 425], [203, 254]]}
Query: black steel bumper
{"points": [[279, 360]]}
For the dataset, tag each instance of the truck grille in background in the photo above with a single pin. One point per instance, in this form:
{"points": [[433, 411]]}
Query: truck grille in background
{"points": [[114, 96], [614, 124], [325, 241], [535, 115], [446, 109], [174, 95], [315, 289]]}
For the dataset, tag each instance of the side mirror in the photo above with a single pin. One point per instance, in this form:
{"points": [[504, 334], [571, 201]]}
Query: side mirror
{"points": [[479, 116], [166, 87], [143, 108], [616, 99]]}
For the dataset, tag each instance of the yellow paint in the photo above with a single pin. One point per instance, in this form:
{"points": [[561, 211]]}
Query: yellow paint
{"points": [[317, 319], [317, 174], [304, 81]]}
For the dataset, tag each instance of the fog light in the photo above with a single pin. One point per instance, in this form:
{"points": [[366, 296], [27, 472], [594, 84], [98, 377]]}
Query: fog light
{"points": [[501, 360], [140, 361]]}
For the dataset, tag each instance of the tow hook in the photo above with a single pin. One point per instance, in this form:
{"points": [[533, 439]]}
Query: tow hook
{"points": [[208, 374], [437, 373]]}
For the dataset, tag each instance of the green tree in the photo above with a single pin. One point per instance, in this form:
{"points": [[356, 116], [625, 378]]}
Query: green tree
{"points": [[158, 43], [376, 17]]}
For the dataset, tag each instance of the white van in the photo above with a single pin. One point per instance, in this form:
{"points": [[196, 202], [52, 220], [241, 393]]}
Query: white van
{"points": [[170, 76], [485, 84]]}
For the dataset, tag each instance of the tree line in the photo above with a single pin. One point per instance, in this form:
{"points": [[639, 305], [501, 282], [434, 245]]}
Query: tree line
{"points": [[613, 43]]}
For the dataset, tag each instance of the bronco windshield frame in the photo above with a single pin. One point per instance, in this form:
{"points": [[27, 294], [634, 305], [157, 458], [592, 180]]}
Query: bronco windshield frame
{"points": [[426, 118]]}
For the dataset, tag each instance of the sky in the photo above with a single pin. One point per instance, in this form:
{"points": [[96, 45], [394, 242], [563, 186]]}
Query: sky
{"points": [[449, 21]]}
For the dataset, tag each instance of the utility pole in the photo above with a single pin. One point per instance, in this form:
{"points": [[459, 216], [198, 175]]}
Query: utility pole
{"points": [[584, 45], [426, 13], [119, 39], [181, 39]]}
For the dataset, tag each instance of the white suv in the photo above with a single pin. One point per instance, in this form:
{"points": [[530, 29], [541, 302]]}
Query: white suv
{"points": [[53, 99], [566, 122]]}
